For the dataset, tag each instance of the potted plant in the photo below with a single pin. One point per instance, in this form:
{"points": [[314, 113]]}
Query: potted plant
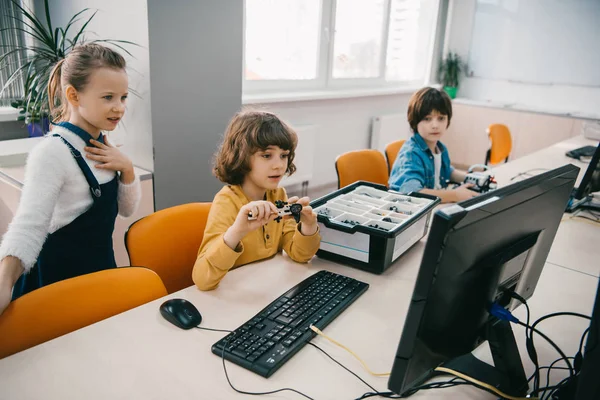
{"points": [[45, 46], [449, 73]]}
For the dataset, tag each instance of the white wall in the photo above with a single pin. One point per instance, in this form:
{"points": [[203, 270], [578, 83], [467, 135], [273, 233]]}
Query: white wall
{"points": [[122, 20], [344, 125], [196, 52], [564, 98]]}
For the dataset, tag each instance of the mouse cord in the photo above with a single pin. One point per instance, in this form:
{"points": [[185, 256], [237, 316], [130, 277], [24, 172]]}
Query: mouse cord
{"points": [[214, 330], [227, 375]]}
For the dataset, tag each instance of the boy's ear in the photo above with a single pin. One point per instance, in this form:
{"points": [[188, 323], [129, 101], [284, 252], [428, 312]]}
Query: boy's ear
{"points": [[71, 95]]}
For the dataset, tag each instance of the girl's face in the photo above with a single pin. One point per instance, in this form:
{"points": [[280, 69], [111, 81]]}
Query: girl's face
{"points": [[433, 127], [101, 104], [267, 168]]}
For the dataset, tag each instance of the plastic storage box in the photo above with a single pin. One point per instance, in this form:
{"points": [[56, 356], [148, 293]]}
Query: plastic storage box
{"points": [[368, 227]]}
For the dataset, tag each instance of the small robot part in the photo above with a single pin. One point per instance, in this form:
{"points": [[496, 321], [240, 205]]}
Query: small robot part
{"points": [[284, 209]]}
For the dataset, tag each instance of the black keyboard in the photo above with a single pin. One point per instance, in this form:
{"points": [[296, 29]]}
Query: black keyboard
{"points": [[585, 151], [275, 334]]}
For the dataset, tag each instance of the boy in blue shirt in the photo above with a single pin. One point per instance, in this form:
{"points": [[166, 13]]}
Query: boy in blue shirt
{"points": [[423, 164]]}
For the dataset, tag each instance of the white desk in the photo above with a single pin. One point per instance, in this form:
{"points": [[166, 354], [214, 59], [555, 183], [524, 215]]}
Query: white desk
{"points": [[576, 242], [138, 355]]}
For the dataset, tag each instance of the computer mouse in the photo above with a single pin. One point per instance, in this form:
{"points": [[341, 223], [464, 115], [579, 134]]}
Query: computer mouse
{"points": [[181, 313]]}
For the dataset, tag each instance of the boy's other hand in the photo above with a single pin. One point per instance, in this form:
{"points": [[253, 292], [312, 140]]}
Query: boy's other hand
{"points": [[463, 192], [308, 217]]}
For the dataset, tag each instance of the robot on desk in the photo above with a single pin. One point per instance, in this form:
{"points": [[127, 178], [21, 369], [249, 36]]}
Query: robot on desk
{"points": [[283, 209], [482, 181]]}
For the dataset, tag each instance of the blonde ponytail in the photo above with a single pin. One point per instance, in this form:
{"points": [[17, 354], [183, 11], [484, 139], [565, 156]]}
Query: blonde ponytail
{"points": [[58, 107]]}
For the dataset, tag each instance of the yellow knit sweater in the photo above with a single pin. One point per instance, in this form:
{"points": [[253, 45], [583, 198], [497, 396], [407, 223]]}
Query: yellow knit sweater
{"points": [[215, 258]]}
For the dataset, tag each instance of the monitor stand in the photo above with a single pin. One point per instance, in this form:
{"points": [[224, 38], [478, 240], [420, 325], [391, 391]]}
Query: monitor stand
{"points": [[507, 375]]}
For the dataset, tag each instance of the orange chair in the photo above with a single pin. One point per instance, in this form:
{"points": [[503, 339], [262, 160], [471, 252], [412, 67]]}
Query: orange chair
{"points": [[391, 152], [65, 306], [168, 241], [361, 165], [501, 144]]}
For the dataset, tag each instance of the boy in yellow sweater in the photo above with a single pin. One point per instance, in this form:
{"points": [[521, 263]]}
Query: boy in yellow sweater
{"points": [[257, 151]]}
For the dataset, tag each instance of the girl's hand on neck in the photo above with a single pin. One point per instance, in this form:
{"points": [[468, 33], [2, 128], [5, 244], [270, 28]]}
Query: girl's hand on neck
{"points": [[109, 157]]}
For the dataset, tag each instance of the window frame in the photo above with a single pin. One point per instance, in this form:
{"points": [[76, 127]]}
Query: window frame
{"points": [[324, 81]]}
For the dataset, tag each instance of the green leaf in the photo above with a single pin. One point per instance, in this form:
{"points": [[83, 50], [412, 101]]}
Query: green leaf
{"points": [[47, 10], [81, 31], [39, 27]]}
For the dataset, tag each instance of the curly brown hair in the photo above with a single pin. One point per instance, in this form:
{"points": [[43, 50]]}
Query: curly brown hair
{"points": [[426, 100], [250, 131]]}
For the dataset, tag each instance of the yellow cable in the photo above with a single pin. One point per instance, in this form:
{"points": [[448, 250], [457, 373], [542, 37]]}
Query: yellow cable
{"points": [[482, 384], [318, 332]]}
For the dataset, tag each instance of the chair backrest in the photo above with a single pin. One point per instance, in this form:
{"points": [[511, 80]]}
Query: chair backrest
{"points": [[391, 152], [71, 304], [167, 242], [501, 144], [361, 165]]}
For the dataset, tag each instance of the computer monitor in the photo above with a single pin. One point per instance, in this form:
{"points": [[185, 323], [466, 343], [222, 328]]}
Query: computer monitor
{"points": [[590, 183], [476, 253]]}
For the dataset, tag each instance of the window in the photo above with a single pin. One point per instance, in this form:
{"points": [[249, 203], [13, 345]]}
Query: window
{"points": [[8, 13], [296, 45]]}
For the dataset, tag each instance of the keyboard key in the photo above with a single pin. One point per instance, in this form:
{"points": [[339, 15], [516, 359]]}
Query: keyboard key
{"points": [[240, 352]]}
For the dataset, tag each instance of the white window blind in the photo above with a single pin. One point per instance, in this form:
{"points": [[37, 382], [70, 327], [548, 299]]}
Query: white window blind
{"points": [[8, 40], [295, 45]]}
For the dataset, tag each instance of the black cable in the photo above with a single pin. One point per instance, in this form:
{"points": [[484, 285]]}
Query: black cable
{"points": [[527, 173], [553, 388], [227, 375], [433, 385], [529, 345], [582, 339], [557, 314], [553, 367], [558, 349], [343, 366], [392, 395], [214, 330]]}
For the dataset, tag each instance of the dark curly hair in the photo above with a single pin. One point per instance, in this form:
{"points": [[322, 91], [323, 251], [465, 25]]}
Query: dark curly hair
{"points": [[426, 100], [250, 131]]}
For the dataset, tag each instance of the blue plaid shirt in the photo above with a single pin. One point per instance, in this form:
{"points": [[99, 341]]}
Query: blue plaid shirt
{"points": [[414, 168]]}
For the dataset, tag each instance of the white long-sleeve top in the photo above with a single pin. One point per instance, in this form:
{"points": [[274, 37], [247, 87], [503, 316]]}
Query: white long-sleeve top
{"points": [[55, 192]]}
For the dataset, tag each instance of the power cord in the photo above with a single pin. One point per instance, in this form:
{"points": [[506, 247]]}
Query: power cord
{"points": [[318, 332], [375, 392], [343, 366], [481, 385], [227, 375], [464, 379]]}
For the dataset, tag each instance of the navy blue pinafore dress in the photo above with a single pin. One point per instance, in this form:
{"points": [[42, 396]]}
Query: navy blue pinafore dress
{"points": [[84, 245]]}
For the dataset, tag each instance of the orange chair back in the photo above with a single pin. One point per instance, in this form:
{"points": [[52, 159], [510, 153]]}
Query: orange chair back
{"points": [[361, 165], [391, 152], [65, 306], [167, 242], [501, 144]]}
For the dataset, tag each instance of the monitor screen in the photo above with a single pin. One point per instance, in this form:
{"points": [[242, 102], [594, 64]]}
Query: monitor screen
{"points": [[476, 252]]}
